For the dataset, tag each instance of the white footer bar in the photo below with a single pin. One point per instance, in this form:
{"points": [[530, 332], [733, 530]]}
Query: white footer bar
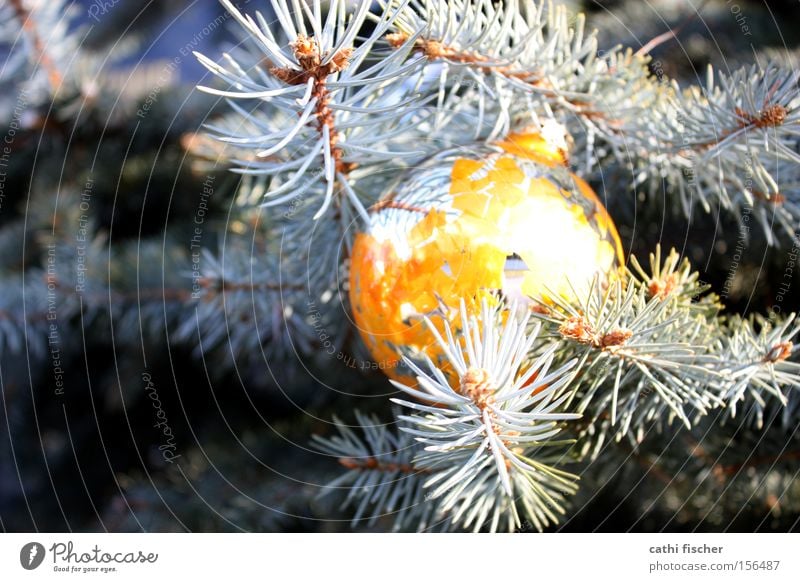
{"points": [[401, 557]]}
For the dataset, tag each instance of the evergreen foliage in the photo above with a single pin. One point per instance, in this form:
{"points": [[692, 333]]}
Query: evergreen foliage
{"points": [[221, 283]]}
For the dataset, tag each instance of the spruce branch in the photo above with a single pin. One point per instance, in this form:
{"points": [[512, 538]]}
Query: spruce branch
{"points": [[515, 64], [380, 477], [642, 357], [653, 348], [723, 465], [481, 455], [674, 280], [490, 440], [330, 104], [24, 16], [47, 60], [454, 72], [731, 143], [645, 359], [23, 314], [438, 73], [246, 308], [762, 356]]}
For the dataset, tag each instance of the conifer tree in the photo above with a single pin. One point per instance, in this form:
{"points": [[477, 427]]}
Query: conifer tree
{"points": [[212, 309]]}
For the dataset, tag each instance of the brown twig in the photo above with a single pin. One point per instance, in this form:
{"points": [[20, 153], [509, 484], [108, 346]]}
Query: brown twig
{"points": [[577, 329], [389, 203], [699, 452], [758, 461], [722, 472], [663, 288], [307, 52], [435, 50], [776, 198], [222, 285], [24, 16], [770, 116], [180, 295], [652, 467], [476, 384], [670, 34], [778, 353], [373, 464]]}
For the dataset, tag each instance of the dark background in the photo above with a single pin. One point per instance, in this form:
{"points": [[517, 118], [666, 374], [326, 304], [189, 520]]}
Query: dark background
{"points": [[89, 461]]}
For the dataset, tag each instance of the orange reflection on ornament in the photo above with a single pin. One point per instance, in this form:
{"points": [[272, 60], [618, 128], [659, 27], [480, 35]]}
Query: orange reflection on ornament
{"points": [[504, 220]]}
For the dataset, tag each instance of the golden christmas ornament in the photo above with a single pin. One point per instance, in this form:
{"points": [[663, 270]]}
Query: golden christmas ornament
{"points": [[505, 220]]}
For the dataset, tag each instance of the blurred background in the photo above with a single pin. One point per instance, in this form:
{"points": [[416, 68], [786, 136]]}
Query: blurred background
{"points": [[135, 398]]}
